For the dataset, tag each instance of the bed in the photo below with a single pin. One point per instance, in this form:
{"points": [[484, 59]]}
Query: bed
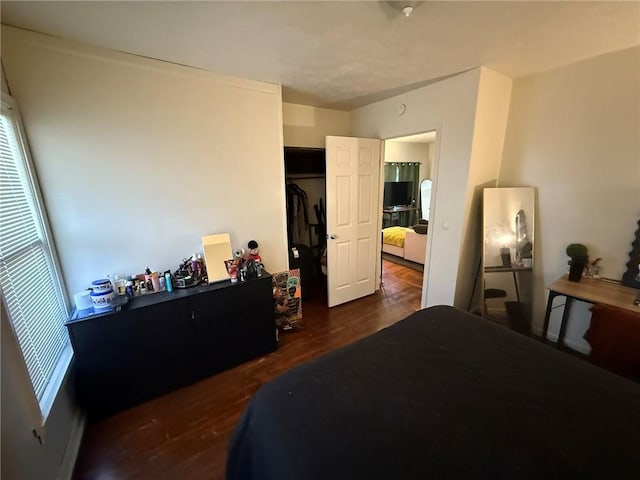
{"points": [[404, 242], [441, 394]]}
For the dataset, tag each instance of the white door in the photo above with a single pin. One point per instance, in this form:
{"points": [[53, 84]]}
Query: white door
{"points": [[353, 214]]}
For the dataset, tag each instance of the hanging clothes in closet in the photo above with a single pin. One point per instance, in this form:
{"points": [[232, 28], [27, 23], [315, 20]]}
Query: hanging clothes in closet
{"points": [[297, 213]]}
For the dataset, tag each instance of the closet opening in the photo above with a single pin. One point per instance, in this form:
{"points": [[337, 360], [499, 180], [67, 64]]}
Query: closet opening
{"points": [[305, 175]]}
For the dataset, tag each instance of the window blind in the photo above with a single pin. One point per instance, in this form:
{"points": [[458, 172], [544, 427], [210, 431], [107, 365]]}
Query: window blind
{"points": [[30, 286]]}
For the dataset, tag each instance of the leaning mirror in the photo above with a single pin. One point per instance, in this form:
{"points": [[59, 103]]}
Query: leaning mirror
{"points": [[425, 198], [508, 226]]}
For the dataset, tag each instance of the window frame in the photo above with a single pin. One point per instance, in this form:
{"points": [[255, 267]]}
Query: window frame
{"points": [[59, 372]]}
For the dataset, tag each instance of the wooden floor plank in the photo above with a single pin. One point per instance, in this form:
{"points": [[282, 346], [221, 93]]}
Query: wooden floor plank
{"points": [[184, 434]]}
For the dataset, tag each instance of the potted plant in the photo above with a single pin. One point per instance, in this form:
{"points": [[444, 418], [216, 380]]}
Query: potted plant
{"points": [[579, 257]]}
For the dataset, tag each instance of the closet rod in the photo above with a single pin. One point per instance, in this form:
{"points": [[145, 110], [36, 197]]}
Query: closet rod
{"points": [[304, 177]]}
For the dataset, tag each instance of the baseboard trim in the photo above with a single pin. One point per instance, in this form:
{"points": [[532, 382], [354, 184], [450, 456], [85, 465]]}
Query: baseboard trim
{"points": [[73, 446]]}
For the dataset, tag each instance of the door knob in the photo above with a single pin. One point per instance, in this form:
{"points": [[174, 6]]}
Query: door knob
{"points": [[332, 237]]}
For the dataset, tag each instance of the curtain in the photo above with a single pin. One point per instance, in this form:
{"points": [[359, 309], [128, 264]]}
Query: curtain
{"points": [[406, 172]]}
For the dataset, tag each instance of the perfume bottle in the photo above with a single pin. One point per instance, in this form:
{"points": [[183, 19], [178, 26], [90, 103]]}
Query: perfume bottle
{"points": [[167, 281]]}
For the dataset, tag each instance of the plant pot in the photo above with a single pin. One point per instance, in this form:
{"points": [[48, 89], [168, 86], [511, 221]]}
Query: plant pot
{"points": [[577, 265]]}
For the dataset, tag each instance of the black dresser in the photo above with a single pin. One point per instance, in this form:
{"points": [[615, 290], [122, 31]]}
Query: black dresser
{"points": [[163, 341]]}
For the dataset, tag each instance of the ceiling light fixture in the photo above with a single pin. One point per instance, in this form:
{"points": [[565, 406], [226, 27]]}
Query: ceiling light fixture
{"points": [[405, 7]]}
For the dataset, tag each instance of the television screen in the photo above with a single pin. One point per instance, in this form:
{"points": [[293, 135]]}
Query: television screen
{"points": [[397, 193]]}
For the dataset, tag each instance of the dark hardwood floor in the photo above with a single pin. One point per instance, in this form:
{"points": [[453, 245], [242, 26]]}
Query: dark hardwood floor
{"points": [[184, 434]]}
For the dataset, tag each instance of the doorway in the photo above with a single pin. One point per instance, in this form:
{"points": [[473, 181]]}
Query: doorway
{"points": [[356, 254], [408, 168]]}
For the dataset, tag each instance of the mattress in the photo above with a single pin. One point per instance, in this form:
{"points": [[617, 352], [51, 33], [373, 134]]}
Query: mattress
{"points": [[441, 394]]}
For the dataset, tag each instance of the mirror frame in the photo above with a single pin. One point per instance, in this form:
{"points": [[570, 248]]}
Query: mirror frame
{"points": [[519, 311], [630, 278], [530, 224]]}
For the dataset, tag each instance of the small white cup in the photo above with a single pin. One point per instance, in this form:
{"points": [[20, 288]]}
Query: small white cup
{"points": [[83, 300]]}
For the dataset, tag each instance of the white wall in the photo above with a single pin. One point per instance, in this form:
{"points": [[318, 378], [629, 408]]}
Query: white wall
{"points": [[409, 152], [395, 151], [492, 110], [138, 158], [448, 107], [574, 134], [305, 126]]}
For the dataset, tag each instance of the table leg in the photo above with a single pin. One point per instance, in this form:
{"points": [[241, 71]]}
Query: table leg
{"points": [[563, 323], [545, 328], [515, 282]]}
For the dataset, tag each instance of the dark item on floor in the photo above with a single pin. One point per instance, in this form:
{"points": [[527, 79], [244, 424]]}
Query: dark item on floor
{"points": [[519, 320], [301, 258], [445, 395]]}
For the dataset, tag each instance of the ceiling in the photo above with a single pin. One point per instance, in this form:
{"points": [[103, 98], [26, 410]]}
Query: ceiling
{"points": [[343, 54]]}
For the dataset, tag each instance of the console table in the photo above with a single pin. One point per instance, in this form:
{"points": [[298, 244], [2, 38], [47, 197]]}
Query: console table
{"points": [[404, 215], [591, 291], [163, 341]]}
